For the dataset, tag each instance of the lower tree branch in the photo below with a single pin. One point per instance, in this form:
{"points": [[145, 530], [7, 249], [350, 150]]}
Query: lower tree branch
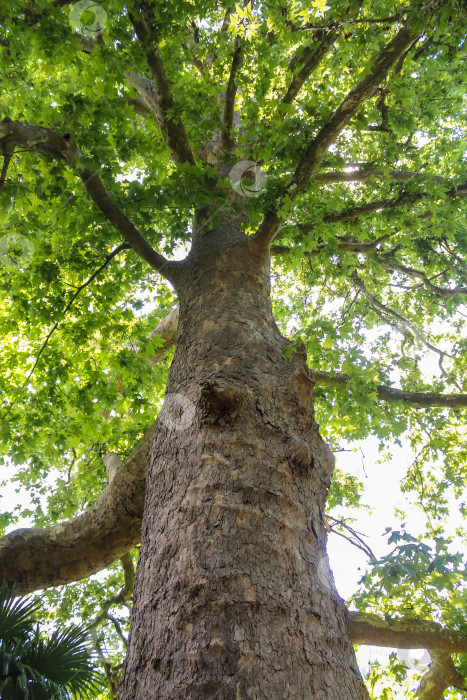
{"points": [[405, 633], [41, 557], [37, 558], [441, 675]]}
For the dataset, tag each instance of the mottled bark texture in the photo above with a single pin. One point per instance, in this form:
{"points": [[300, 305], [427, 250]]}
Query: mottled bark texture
{"points": [[234, 597]]}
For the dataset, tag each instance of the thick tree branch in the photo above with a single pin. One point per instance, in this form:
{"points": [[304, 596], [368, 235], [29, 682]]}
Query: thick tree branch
{"points": [[364, 175], [230, 93], [312, 58], [38, 138], [166, 329], [42, 557], [315, 152], [365, 628], [365, 89], [122, 223], [386, 393], [441, 675], [52, 143], [7, 153], [162, 101], [370, 248], [138, 104], [407, 633]]}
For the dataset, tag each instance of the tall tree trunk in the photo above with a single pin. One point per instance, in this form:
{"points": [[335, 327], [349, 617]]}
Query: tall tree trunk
{"points": [[234, 597]]}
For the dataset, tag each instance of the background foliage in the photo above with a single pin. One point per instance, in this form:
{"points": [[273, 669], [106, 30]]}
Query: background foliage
{"points": [[368, 315]]}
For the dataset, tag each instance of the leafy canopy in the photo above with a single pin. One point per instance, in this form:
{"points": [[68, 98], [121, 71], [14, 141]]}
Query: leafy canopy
{"points": [[369, 269]]}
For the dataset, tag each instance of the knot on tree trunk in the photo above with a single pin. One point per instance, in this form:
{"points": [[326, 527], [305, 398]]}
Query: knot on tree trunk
{"points": [[299, 454], [219, 401]]}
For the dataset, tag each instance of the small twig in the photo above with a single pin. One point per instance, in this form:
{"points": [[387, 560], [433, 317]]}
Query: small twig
{"points": [[109, 257], [355, 539], [381, 308]]}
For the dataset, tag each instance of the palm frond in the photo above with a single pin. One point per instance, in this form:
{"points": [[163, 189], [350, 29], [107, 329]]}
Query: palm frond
{"points": [[33, 667], [16, 614]]}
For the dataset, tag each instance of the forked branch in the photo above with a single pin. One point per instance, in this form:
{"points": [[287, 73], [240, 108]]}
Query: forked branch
{"points": [[399, 320], [441, 675]]}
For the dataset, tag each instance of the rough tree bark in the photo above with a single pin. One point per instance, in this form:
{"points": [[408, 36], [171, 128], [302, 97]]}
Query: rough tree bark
{"points": [[234, 597]]}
